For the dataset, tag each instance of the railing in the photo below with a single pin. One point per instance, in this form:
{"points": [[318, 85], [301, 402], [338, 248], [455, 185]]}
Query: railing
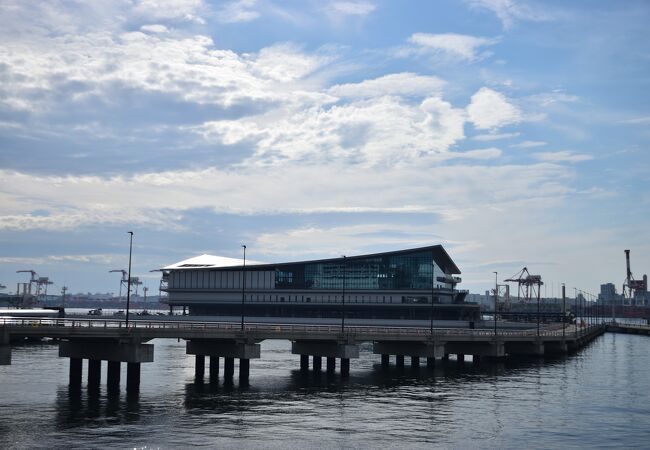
{"points": [[279, 328]]}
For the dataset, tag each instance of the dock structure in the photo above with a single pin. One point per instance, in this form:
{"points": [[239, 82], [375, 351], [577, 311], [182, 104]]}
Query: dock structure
{"points": [[98, 340]]}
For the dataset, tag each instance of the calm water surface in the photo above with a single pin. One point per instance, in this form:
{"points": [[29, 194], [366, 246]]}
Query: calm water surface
{"points": [[598, 398]]}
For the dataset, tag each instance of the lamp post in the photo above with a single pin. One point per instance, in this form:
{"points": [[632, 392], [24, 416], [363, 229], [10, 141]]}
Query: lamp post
{"points": [[128, 283], [433, 287], [343, 296], [539, 288], [563, 311], [496, 298], [243, 287]]}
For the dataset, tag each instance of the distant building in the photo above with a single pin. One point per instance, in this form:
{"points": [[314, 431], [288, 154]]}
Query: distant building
{"points": [[608, 294], [408, 284]]}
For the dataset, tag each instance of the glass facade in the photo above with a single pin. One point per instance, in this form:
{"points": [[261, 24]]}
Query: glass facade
{"points": [[387, 272]]}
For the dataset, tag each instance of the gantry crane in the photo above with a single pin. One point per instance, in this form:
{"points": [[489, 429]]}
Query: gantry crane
{"points": [[634, 290], [529, 285]]}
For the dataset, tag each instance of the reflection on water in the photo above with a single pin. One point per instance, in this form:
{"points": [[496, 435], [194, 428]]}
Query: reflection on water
{"points": [[596, 397]]}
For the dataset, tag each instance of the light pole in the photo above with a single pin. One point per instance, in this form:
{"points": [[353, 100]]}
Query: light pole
{"points": [[433, 287], [243, 288], [539, 288], [563, 311], [128, 285], [496, 298], [343, 296]]}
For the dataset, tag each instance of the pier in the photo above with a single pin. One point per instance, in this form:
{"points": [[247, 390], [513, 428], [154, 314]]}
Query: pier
{"points": [[99, 340]]}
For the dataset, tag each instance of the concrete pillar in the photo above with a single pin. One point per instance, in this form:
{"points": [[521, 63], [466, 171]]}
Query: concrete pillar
{"points": [[199, 366], [445, 357], [133, 377], [316, 363], [228, 367], [460, 357], [244, 369], [331, 364], [5, 354], [75, 371], [214, 368], [385, 360], [399, 361], [304, 362], [415, 362], [431, 362], [345, 367], [476, 359], [113, 376], [94, 372]]}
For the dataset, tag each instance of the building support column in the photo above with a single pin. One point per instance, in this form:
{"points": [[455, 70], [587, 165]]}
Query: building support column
{"points": [[399, 361], [431, 362], [460, 357], [244, 369], [415, 362], [476, 359], [228, 368], [446, 357], [94, 372], [199, 366], [331, 364], [75, 371], [214, 368], [316, 363], [304, 362], [345, 367], [385, 360], [113, 376], [133, 377]]}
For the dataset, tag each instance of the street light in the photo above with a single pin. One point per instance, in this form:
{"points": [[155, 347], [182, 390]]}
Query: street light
{"points": [[243, 288], [563, 311], [343, 296], [128, 285], [496, 293], [433, 286]]}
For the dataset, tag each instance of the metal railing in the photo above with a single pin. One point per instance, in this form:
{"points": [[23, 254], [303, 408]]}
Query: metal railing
{"points": [[283, 328]]}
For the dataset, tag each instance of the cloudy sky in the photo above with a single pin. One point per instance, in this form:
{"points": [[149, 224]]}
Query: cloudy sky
{"points": [[513, 132]]}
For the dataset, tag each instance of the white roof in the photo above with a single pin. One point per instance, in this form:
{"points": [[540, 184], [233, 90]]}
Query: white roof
{"points": [[210, 261]]}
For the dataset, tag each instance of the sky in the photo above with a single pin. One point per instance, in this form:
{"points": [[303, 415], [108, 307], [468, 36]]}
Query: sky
{"points": [[513, 132]]}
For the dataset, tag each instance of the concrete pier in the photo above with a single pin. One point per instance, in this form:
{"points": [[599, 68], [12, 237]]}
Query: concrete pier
{"points": [[399, 361], [228, 368], [316, 363], [304, 362], [415, 362], [5, 354], [199, 366], [94, 372], [214, 368], [431, 362], [385, 360], [244, 369], [132, 377], [113, 376], [345, 367], [76, 365], [331, 350], [331, 364], [460, 357]]}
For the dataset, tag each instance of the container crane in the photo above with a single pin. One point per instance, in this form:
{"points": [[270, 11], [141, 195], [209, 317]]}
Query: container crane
{"points": [[123, 280], [529, 285], [634, 290]]}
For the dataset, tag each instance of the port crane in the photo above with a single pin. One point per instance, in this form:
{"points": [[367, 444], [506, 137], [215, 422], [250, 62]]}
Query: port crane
{"points": [[123, 281], [634, 290], [529, 285]]}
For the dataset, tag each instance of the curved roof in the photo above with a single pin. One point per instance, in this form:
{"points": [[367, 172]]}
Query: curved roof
{"points": [[440, 256]]}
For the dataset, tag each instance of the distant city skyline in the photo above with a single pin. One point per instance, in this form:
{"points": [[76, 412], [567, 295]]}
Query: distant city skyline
{"points": [[513, 132]]}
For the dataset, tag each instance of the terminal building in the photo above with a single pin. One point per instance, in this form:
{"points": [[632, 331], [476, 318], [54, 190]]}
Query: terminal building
{"points": [[405, 284]]}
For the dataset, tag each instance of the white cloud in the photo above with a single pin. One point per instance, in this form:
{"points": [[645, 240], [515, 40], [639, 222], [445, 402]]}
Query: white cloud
{"points": [[511, 11], [529, 144], [238, 11], [490, 109], [562, 156], [183, 10], [643, 120], [154, 28], [402, 84], [494, 136], [352, 8], [455, 45]]}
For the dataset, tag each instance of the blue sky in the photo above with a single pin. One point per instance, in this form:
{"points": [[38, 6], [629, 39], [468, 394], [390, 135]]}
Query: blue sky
{"points": [[513, 132]]}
